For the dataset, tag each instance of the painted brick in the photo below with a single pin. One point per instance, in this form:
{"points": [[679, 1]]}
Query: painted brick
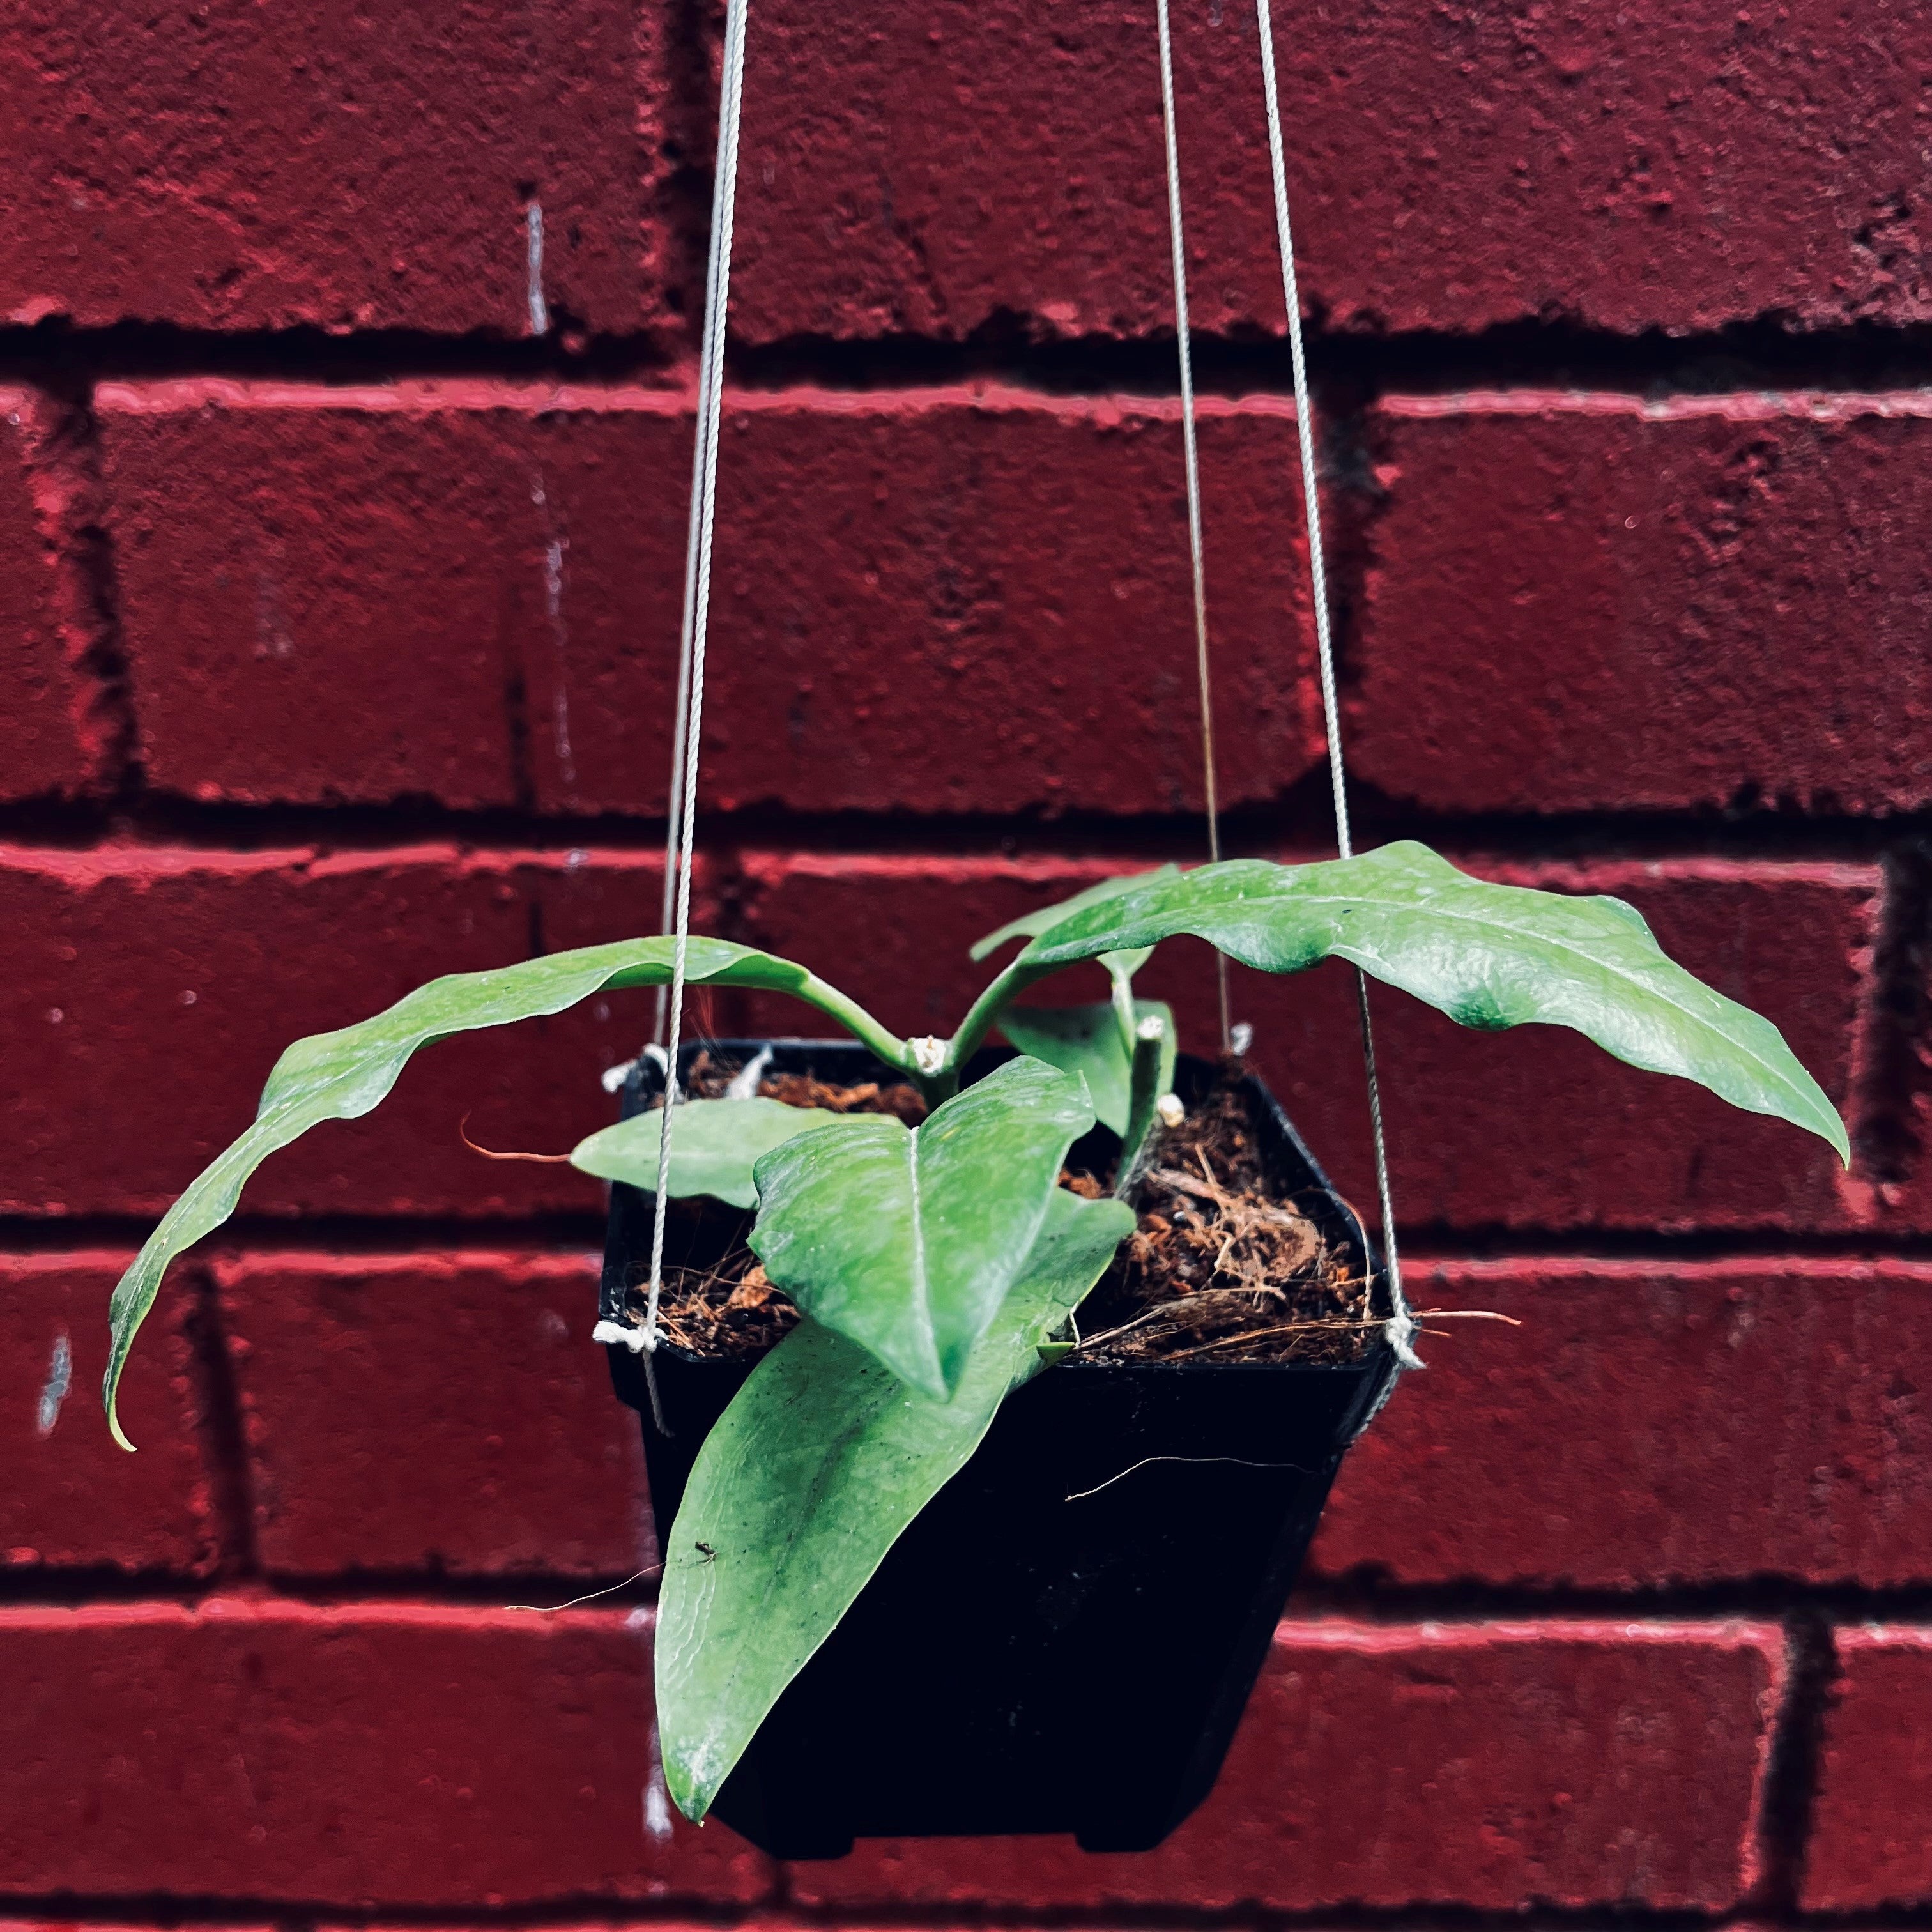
{"points": [[66, 1925], [396, 1754], [71, 1498], [1489, 1765], [973, 602], [1652, 1424], [526, 1463], [1590, 602], [1529, 1129], [1868, 1844], [954, 601], [50, 740], [249, 167], [148, 991], [293, 632], [953, 170]]}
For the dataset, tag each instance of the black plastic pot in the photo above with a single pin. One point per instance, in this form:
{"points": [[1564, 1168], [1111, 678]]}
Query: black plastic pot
{"points": [[1065, 1639]]}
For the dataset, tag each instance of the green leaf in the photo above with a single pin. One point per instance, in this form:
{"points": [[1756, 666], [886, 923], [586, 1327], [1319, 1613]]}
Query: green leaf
{"points": [[906, 1240], [713, 1146], [1029, 925], [1488, 955], [808, 1479], [1085, 1040], [342, 1075]]}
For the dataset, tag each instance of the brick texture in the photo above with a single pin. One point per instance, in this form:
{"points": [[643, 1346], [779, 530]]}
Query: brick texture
{"points": [[152, 991], [402, 1754], [1868, 1845], [525, 1462], [52, 739], [1008, 626], [1587, 603], [1532, 1128], [71, 1499], [953, 170], [242, 167], [347, 375], [1574, 1763], [1774, 1386]]}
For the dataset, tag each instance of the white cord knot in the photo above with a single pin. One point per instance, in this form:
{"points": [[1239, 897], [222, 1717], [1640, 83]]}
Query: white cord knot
{"points": [[1400, 1329], [639, 1341]]}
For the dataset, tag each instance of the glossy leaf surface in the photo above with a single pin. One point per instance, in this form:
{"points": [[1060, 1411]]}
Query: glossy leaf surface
{"points": [[1030, 925], [714, 1146], [907, 1239], [1120, 966], [809, 1479], [1489, 955], [342, 1075], [1086, 1040]]}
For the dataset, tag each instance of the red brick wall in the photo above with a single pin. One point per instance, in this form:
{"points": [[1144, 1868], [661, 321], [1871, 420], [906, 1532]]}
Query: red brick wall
{"points": [[337, 638]]}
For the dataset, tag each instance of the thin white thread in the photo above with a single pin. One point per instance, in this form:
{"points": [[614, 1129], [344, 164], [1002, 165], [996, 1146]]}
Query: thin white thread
{"points": [[704, 507], [1195, 554], [590, 1597], [1401, 1323], [724, 186], [1242, 1460]]}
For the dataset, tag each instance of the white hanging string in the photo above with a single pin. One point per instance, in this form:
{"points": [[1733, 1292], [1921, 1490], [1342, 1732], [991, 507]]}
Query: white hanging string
{"points": [[1401, 1324], [1192, 458], [723, 188], [697, 614]]}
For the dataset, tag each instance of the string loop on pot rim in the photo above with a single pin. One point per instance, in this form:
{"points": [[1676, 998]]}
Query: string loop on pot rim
{"points": [[1400, 1325], [682, 816]]}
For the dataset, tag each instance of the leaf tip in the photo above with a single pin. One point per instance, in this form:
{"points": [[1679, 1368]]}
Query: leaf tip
{"points": [[114, 1429]]}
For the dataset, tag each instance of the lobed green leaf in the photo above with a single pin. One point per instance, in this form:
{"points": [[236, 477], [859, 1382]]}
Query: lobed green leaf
{"points": [[1488, 955], [342, 1075], [908, 1240], [808, 1481]]}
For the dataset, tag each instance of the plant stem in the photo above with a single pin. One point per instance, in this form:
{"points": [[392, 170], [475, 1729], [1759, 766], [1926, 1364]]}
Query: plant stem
{"points": [[985, 1010], [896, 1053], [1123, 986], [1150, 1040]]}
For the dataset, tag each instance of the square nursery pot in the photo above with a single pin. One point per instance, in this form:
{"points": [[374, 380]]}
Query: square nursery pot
{"points": [[1064, 1640]]}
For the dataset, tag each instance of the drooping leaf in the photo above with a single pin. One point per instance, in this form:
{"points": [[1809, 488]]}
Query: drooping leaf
{"points": [[714, 1146], [341, 1076], [1488, 955], [1086, 1040], [907, 1239], [809, 1479]]}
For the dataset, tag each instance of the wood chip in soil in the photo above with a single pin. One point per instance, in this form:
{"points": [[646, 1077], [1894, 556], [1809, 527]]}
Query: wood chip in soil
{"points": [[1218, 1270]]}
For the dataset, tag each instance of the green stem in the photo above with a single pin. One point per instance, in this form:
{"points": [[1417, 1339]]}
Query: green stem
{"points": [[1123, 1007], [1149, 1041], [984, 1011], [896, 1053]]}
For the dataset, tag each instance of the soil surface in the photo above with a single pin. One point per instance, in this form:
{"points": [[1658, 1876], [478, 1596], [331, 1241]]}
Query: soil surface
{"points": [[1217, 1270]]}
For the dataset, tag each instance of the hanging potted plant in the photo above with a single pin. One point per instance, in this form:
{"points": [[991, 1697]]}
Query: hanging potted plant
{"points": [[919, 1262], [991, 1396]]}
